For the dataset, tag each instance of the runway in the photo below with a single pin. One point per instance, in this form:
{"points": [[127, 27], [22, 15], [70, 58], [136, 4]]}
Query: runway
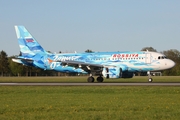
{"points": [[89, 84]]}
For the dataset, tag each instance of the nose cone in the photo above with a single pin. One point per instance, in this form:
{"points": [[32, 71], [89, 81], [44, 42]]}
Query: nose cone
{"points": [[166, 64], [171, 64]]}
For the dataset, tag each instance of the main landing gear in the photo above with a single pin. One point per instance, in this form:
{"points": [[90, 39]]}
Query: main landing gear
{"points": [[149, 77], [91, 78]]}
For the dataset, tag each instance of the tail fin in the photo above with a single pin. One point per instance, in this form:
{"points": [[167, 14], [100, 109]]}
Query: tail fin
{"points": [[28, 45]]}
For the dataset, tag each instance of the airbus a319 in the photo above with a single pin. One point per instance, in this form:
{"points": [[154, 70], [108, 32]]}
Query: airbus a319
{"points": [[104, 64]]}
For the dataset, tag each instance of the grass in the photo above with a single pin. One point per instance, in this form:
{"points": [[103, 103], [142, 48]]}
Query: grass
{"points": [[84, 79], [89, 102]]}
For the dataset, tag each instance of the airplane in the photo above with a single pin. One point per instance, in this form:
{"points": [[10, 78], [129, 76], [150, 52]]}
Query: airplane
{"points": [[104, 64]]}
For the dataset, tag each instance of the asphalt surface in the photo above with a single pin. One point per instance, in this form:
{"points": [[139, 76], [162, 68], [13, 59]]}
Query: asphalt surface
{"points": [[90, 84]]}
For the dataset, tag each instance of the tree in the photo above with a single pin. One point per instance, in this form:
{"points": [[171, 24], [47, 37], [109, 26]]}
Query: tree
{"points": [[172, 54], [89, 51], [4, 64], [49, 51], [15, 68], [149, 49]]}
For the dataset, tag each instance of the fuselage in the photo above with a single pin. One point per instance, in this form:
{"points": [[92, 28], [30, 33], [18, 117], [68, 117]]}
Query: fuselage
{"points": [[129, 61]]}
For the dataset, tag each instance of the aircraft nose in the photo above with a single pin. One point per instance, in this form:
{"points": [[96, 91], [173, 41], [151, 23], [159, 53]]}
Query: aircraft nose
{"points": [[171, 63]]}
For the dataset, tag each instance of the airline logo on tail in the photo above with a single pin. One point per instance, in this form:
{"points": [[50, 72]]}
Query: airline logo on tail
{"points": [[29, 40], [28, 45]]}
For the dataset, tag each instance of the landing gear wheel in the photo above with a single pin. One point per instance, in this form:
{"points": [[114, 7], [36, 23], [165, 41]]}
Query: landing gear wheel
{"points": [[149, 76], [99, 79], [150, 80], [90, 79]]}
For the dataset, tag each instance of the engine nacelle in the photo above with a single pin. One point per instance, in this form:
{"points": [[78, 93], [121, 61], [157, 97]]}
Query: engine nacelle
{"points": [[112, 72], [116, 72]]}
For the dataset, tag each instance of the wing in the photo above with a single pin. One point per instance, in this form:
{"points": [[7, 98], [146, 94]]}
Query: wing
{"points": [[85, 66]]}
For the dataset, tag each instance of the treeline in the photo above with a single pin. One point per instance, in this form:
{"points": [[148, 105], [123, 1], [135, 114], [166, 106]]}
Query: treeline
{"points": [[10, 68]]}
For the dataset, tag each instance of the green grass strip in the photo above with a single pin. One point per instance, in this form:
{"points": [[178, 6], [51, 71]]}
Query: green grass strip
{"points": [[89, 103]]}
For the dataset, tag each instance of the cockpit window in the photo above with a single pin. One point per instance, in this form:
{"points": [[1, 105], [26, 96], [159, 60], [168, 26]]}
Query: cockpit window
{"points": [[162, 57]]}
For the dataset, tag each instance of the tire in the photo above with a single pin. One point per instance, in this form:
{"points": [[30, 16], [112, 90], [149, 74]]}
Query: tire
{"points": [[90, 79], [150, 80], [99, 79]]}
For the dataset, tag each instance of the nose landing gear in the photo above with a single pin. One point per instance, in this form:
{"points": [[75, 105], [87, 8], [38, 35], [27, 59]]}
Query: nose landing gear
{"points": [[149, 77]]}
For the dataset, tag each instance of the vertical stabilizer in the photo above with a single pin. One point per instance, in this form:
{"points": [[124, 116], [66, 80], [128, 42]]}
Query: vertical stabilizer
{"points": [[27, 43]]}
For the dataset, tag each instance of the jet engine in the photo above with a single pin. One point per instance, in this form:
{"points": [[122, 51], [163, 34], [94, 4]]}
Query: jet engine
{"points": [[112, 72], [116, 72]]}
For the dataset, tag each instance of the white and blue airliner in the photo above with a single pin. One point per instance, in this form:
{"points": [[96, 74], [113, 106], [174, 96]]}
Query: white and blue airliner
{"points": [[104, 64]]}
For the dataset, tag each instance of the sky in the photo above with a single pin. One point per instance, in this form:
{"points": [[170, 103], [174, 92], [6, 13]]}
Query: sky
{"points": [[98, 25]]}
